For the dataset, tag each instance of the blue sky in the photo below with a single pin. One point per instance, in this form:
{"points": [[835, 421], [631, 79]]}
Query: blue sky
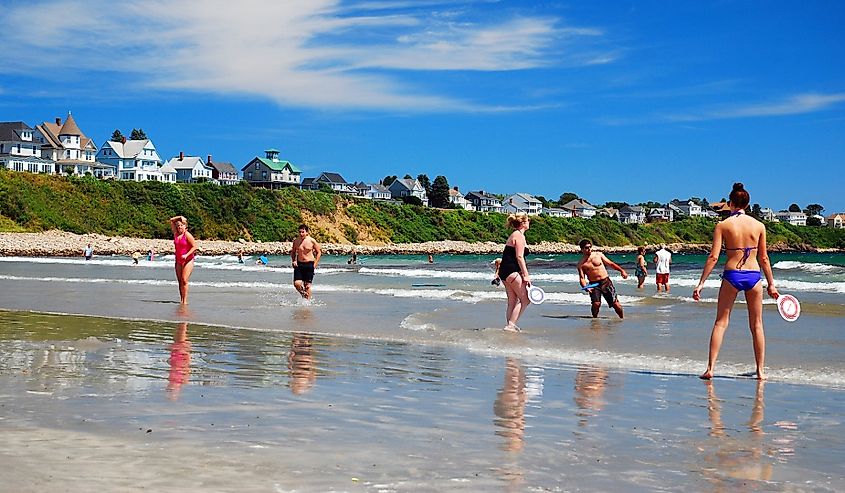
{"points": [[613, 100]]}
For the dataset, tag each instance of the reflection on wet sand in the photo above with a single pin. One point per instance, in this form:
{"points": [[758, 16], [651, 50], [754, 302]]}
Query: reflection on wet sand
{"points": [[509, 408], [738, 455], [303, 371], [590, 384], [180, 361]]}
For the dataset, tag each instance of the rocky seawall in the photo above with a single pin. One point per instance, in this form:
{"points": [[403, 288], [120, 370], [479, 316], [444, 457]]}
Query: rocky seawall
{"points": [[64, 244]]}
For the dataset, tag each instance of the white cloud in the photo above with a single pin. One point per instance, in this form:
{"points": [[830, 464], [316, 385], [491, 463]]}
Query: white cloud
{"points": [[793, 105], [311, 53]]}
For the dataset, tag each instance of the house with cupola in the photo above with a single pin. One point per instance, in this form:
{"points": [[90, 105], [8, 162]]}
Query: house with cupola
{"points": [[20, 150], [134, 160], [66, 145], [271, 172]]}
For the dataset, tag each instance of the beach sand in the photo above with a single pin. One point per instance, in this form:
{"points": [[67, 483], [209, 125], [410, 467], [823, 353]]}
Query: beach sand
{"points": [[100, 404]]}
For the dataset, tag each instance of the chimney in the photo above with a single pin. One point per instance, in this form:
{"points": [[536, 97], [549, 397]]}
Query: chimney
{"points": [[123, 139], [209, 160], [181, 155], [58, 121]]}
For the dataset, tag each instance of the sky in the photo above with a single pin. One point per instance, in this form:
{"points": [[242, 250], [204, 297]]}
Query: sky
{"points": [[627, 101]]}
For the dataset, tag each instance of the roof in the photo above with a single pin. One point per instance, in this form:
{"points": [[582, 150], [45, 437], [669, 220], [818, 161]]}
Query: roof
{"points": [[577, 204], [10, 131], [128, 149], [834, 215], [481, 194], [223, 166], [277, 165], [51, 132], [379, 188], [632, 208], [70, 127], [332, 178], [167, 168], [526, 197], [187, 162]]}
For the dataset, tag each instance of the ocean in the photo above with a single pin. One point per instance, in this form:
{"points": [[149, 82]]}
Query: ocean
{"points": [[403, 363]]}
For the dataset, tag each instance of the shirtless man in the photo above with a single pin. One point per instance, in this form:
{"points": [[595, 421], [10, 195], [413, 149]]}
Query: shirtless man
{"points": [[305, 255], [591, 269]]}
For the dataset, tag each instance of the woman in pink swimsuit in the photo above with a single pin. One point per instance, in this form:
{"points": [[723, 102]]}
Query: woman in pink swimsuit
{"points": [[186, 247]]}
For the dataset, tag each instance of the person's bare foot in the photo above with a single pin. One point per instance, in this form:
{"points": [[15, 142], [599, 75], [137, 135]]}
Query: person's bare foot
{"points": [[512, 328], [707, 375], [761, 376]]}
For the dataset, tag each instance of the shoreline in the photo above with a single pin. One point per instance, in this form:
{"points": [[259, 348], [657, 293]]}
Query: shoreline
{"points": [[57, 243]]}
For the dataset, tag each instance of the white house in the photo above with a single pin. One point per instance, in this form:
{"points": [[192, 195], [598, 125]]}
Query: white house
{"points": [[767, 214], [336, 182], [135, 160], [836, 220], [661, 214], [168, 173], [408, 187], [457, 199], [191, 169], [483, 201], [579, 208], [271, 172], [19, 151], [522, 202], [555, 212], [632, 214], [71, 150], [793, 218], [688, 208], [377, 191]]}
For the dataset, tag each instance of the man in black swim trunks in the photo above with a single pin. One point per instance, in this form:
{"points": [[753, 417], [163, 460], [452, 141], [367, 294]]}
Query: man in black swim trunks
{"points": [[305, 255], [591, 269]]}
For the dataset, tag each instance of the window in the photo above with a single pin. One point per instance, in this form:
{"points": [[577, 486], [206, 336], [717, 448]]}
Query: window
{"points": [[256, 165]]}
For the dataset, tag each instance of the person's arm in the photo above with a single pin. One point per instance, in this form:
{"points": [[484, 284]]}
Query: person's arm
{"points": [[613, 265], [655, 259], [173, 221], [766, 265], [710, 263], [643, 265], [191, 243], [317, 254], [582, 277], [293, 253], [519, 246]]}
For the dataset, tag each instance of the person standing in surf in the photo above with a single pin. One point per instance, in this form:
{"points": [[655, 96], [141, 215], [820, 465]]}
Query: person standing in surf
{"points": [[742, 235], [305, 255], [591, 268], [186, 248], [513, 272]]}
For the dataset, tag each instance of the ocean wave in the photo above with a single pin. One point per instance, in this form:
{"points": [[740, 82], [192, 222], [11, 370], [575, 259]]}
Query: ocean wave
{"points": [[813, 267]]}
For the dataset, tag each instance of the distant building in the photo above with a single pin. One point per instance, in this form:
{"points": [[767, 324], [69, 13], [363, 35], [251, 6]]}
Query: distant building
{"points": [[223, 172], [522, 202], [408, 187], [579, 208], [767, 214], [632, 214], [457, 199], [836, 220], [72, 151], [19, 151], [793, 218], [191, 169], [688, 208], [335, 182], [555, 212], [373, 191], [722, 209], [271, 172], [610, 212], [661, 215], [134, 160], [483, 201]]}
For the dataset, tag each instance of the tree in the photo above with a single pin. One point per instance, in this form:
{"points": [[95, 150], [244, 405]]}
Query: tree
{"points": [[543, 200], [814, 221], [407, 177], [814, 210], [410, 199], [425, 183], [138, 134], [325, 187], [566, 197], [756, 212], [388, 180], [439, 196], [117, 136], [794, 208], [616, 205]]}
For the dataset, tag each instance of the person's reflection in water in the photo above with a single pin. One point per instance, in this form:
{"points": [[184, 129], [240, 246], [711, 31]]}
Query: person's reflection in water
{"points": [[303, 372], [590, 383], [180, 361], [509, 408], [738, 457]]}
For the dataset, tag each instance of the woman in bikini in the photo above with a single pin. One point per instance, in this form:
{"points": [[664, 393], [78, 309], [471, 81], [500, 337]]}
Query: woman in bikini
{"points": [[513, 272], [742, 235], [186, 249]]}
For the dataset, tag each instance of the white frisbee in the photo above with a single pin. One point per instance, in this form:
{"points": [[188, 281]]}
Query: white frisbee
{"points": [[788, 307], [536, 295]]}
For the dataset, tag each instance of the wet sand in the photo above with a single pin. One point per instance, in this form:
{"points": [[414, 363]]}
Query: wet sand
{"points": [[93, 403]]}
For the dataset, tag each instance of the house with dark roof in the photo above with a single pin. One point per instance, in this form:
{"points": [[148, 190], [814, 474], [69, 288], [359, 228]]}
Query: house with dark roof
{"points": [[190, 169], [408, 187], [483, 201], [632, 214], [223, 172], [271, 172], [20, 151], [579, 208], [67, 145], [335, 182]]}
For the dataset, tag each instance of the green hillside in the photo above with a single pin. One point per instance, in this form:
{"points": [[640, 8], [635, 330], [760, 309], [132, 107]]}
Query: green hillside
{"points": [[30, 202]]}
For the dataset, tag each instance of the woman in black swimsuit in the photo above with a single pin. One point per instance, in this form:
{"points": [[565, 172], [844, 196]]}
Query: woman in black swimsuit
{"points": [[513, 271]]}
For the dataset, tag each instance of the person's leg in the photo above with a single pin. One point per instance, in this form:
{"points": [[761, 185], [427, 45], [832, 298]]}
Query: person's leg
{"points": [[180, 283], [727, 296], [754, 300], [306, 288], [666, 285], [618, 308], [300, 287], [594, 308], [513, 286], [187, 269]]}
